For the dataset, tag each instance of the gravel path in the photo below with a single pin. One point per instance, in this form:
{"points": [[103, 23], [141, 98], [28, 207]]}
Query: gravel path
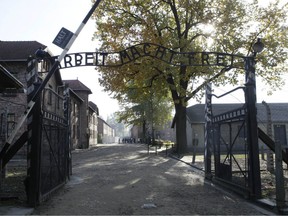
{"points": [[122, 179]]}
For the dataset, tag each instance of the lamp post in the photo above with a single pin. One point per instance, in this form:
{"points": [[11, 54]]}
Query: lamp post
{"points": [[258, 47], [252, 127]]}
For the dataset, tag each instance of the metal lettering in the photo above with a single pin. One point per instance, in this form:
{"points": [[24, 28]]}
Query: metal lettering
{"points": [[78, 59], [146, 52], [115, 59], [67, 60], [104, 55], [191, 58], [220, 60], [89, 56], [172, 56], [135, 53], [123, 55], [60, 36], [205, 58], [162, 51]]}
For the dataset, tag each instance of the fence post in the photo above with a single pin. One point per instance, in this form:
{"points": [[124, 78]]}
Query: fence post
{"points": [[270, 159], [280, 189], [252, 128], [208, 131]]}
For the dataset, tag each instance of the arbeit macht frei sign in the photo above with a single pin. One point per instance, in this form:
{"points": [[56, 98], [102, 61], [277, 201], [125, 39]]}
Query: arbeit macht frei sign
{"points": [[114, 59]]}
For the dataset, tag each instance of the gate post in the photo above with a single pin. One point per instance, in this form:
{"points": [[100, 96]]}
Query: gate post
{"points": [[269, 153], [32, 184], [252, 132], [280, 189], [208, 131]]}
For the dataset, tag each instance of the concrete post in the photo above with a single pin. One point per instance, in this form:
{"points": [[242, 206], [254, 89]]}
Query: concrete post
{"points": [[280, 189]]}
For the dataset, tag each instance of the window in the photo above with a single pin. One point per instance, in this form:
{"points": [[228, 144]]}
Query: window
{"points": [[10, 123], [74, 109], [58, 102], [49, 100], [43, 66], [2, 129], [74, 131], [58, 99], [78, 132]]}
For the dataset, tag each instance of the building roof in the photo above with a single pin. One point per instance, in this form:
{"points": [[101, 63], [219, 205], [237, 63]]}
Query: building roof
{"points": [[101, 120], [75, 95], [94, 107], [279, 111], [76, 85], [7, 80], [18, 50]]}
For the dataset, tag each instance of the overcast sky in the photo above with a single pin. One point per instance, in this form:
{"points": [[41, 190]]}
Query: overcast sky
{"points": [[41, 20]]}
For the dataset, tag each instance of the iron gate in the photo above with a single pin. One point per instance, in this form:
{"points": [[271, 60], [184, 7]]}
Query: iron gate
{"points": [[231, 149], [230, 138], [48, 146], [235, 126]]}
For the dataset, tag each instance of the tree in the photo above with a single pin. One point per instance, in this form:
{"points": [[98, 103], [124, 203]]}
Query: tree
{"points": [[183, 26], [144, 107], [119, 128]]}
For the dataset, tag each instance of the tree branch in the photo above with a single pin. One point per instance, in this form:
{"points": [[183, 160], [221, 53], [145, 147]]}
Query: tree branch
{"points": [[147, 86], [176, 17]]}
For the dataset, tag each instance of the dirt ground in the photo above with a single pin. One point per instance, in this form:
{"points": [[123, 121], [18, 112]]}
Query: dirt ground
{"points": [[123, 179]]}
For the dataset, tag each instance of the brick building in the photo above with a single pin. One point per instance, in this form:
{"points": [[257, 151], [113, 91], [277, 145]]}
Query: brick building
{"points": [[80, 113], [83, 116], [74, 104], [13, 61], [10, 87], [93, 123]]}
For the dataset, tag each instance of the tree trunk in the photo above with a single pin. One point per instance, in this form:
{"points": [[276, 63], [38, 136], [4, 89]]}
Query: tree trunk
{"points": [[181, 134]]}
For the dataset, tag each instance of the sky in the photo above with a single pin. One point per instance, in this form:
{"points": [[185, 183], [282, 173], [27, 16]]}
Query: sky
{"points": [[41, 20]]}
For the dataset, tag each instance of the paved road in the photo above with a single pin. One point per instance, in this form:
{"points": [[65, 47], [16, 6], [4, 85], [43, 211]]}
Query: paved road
{"points": [[122, 179]]}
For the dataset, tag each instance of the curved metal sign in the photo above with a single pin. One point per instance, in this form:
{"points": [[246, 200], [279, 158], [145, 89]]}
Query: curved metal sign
{"points": [[115, 59]]}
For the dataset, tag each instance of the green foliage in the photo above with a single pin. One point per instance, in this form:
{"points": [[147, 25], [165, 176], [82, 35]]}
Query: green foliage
{"points": [[146, 105], [185, 25]]}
